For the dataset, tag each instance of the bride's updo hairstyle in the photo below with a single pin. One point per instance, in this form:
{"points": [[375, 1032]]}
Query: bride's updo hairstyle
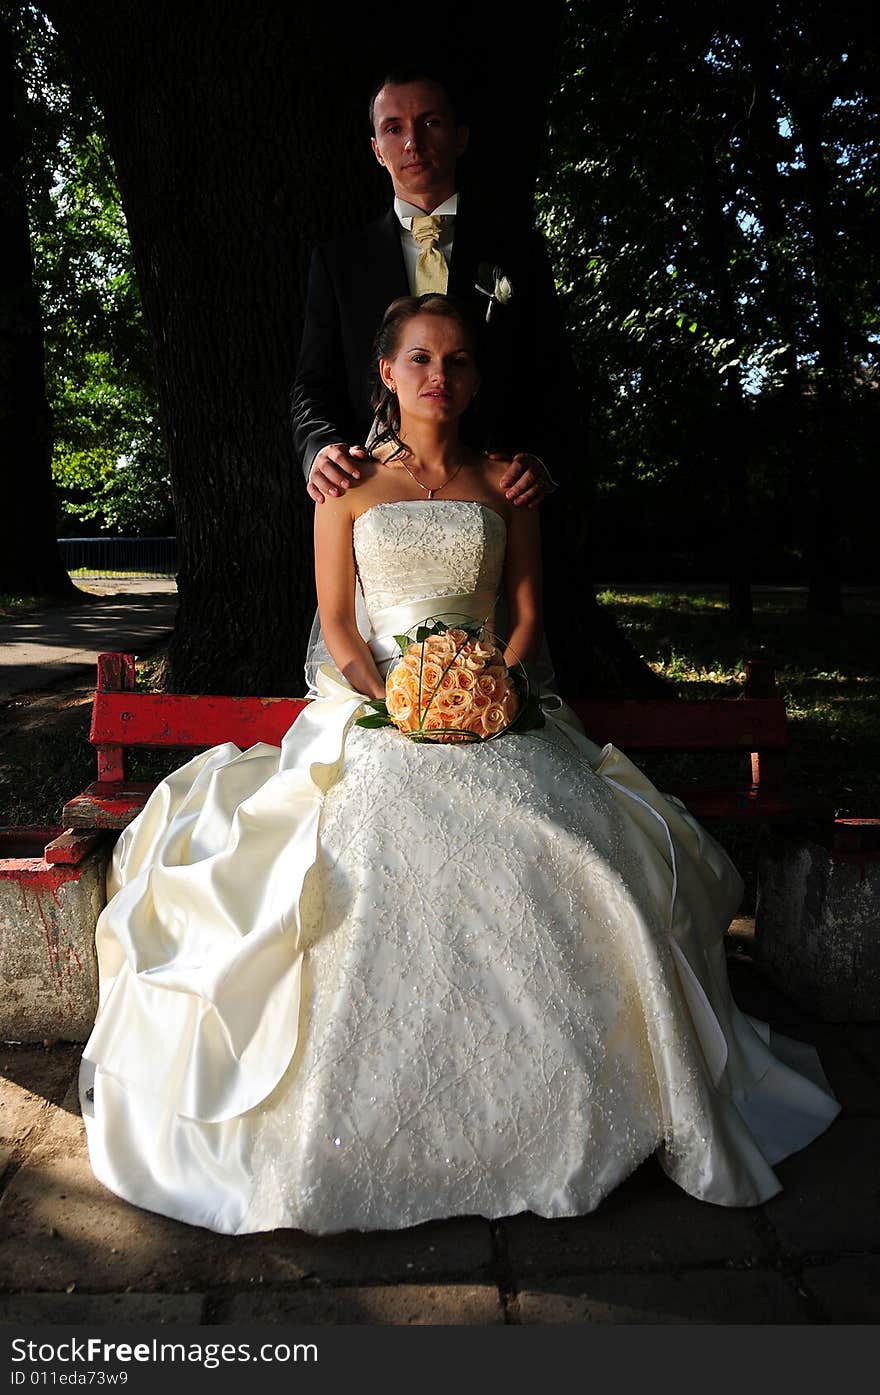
{"points": [[387, 343]]}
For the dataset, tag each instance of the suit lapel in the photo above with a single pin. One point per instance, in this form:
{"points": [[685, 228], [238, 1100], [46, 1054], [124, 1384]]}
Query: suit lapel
{"points": [[386, 265]]}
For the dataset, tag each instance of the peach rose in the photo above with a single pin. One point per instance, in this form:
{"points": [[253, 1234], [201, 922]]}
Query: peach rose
{"points": [[431, 674], [458, 700], [493, 719], [489, 687]]}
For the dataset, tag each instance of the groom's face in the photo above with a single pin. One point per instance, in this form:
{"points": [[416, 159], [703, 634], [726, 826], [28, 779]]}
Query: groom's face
{"points": [[417, 140]]}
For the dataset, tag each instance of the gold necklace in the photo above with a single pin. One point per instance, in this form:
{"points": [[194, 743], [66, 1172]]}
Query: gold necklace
{"points": [[431, 492]]}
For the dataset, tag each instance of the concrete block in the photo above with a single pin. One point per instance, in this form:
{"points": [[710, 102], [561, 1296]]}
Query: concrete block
{"points": [[48, 911], [817, 926]]}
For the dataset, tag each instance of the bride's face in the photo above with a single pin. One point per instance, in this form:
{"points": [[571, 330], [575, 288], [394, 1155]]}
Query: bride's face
{"points": [[433, 371]]}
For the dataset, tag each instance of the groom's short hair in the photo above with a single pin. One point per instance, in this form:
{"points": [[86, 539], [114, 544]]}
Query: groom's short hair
{"points": [[399, 77]]}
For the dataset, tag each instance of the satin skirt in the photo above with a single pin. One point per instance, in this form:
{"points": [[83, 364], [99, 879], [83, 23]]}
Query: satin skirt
{"points": [[357, 983]]}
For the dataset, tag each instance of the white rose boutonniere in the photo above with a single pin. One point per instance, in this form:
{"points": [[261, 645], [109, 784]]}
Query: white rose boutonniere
{"points": [[494, 284]]}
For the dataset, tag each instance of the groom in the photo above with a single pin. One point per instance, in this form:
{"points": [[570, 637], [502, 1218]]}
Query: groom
{"points": [[426, 243]]}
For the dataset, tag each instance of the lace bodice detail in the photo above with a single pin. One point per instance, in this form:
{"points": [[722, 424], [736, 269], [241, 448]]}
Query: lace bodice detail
{"points": [[414, 549]]}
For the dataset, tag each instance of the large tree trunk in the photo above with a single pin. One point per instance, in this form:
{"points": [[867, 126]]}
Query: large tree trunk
{"points": [[29, 559], [240, 139]]}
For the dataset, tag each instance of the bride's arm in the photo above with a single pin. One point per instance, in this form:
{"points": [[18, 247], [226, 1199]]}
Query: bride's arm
{"points": [[335, 581], [523, 585]]}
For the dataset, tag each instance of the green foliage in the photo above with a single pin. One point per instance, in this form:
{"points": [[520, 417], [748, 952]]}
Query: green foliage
{"points": [[108, 462], [709, 192]]}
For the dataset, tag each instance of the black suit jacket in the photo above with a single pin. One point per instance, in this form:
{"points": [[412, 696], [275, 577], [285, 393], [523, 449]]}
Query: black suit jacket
{"points": [[527, 400]]}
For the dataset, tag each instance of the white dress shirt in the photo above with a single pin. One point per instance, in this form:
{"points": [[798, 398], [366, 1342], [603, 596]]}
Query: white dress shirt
{"points": [[406, 212]]}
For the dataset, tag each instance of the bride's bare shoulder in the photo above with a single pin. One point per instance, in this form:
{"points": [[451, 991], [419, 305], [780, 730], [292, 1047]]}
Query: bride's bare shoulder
{"points": [[380, 481], [492, 472]]}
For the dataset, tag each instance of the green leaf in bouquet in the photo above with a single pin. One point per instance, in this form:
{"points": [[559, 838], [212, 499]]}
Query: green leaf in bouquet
{"points": [[403, 642], [373, 722], [378, 704], [422, 633]]}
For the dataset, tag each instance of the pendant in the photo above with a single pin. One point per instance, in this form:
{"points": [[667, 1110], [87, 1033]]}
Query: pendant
{"points": [[430, 493]]}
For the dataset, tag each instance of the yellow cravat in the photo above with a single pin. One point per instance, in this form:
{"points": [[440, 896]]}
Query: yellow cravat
{"points": [[432, 273]]}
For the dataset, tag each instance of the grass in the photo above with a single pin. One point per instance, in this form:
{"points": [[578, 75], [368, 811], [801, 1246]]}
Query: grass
{"points": [[11, 605], [84, 573]]}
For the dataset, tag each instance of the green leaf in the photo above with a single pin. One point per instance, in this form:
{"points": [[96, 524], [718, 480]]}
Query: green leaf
{"points": [[403, 642], [373, 722]]}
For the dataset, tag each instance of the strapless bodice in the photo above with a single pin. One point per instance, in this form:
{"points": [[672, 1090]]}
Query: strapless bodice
{"points": [[437, 550]]}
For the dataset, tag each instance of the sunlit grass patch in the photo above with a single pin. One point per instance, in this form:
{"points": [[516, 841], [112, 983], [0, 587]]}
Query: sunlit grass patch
{"points": [[11, 604], [827, 670]]}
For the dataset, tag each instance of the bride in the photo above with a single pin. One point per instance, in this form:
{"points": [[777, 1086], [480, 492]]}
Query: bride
{"points": [[359, 982]]}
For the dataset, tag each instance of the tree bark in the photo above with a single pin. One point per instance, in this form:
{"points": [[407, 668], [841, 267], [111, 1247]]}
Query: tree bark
{"points": [[30, 563]]}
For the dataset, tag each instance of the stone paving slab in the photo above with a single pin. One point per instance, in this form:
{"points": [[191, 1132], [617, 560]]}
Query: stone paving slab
{"points": [[831, 1196], [77, 1308], [705, 1296], [864, 1037], [398, 1305], [31, 1080], [648, 1249], [646, 1222], [848, 1290], [59, 1226], [457, 1248], [850, 1079]]}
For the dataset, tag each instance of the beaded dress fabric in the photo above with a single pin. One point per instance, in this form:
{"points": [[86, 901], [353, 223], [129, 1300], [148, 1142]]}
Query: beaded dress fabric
{"points": [[360, 983]]}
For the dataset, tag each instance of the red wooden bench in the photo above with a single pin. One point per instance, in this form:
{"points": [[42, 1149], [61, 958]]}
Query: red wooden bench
{"points": [[754, 724]]}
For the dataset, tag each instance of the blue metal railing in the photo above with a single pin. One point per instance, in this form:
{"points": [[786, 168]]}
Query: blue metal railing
{"points": [[137, 556]]}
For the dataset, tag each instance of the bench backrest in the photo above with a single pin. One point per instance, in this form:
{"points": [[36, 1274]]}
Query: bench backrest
{"points": [[123, 718]]}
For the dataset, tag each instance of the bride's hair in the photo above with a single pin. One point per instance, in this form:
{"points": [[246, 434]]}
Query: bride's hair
{"points": [[387, 342]]}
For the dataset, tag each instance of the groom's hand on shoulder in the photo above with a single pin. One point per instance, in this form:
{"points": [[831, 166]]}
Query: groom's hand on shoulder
{"points": [[526, 481], [334, 470]]}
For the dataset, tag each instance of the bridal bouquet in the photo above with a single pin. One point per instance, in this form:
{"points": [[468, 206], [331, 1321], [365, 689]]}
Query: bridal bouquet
{"points": [[451, 683]]}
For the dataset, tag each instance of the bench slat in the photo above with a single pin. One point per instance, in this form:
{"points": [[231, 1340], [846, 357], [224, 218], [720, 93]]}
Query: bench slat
{"points": [[105, 805], [719, 724], [750, 804], [182, 719]]}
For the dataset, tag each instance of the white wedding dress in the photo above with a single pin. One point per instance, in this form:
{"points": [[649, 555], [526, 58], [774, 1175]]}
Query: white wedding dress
{"points": [[363, 983]]}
